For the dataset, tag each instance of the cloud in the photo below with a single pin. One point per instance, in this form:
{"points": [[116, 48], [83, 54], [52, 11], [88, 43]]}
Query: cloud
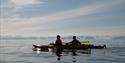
{"points": [[8, 8], [17, 25], [25, 2], [73, 13]]}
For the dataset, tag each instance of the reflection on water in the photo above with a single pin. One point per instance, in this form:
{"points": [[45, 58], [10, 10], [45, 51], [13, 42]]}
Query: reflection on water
{"points": [[20, 51]]}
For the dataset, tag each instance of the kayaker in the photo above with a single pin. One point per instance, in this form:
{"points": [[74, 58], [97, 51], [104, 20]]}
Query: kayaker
{"points": [[74, 44], [58, 45]]}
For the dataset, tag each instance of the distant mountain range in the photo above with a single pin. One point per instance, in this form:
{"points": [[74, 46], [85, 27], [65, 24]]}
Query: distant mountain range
{"points": [[66, 37], [18, 37]]}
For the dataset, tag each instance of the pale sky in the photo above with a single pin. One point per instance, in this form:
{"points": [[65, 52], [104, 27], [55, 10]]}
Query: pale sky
{"points": [[63, 17]]}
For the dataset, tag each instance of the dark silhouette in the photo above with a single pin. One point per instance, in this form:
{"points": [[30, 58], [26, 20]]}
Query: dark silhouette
{"points": [[58, 45], [74, 44]]}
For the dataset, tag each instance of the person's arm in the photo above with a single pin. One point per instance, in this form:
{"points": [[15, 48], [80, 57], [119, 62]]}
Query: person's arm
{"points": [[61, 42], [56, 43], [79, 42], [70, 43]]}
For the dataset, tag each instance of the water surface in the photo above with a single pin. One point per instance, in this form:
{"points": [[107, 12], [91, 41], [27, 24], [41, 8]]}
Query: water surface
{"points": [[20, 51]]}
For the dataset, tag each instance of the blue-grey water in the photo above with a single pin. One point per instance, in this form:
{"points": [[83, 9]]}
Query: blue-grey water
{"points": [[20, 51]]}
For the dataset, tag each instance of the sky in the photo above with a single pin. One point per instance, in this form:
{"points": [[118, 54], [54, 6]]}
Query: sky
{"points": [[62, 17]]}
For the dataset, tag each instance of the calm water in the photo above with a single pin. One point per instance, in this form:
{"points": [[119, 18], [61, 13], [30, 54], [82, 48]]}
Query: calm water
{"points": [[20, 51]]}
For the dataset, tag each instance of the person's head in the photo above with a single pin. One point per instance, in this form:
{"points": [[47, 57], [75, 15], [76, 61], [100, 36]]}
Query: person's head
{"points": [[58, 37], [74, 37]]}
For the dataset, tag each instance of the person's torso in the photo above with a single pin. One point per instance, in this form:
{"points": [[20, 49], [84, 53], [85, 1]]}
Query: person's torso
{"points": [[75, 43], [58, 43]]}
